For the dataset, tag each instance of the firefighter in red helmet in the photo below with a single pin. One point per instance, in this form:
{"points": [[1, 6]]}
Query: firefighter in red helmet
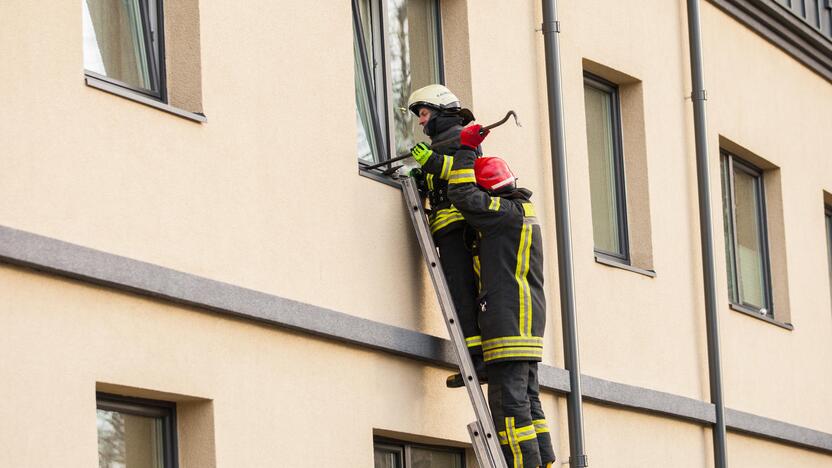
{"points": [[513, 306]]}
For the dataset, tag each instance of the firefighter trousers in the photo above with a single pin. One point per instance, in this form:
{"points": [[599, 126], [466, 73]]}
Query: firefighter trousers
{"points": [[455, 252], [514, 399]]}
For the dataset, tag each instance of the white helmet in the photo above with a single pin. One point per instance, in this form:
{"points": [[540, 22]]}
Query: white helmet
{"points": [[434, 96]]}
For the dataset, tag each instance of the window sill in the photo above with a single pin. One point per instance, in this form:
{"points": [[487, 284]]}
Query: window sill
{"points": [[94, 82], [757, 315], [616, 263], [379, 177]]}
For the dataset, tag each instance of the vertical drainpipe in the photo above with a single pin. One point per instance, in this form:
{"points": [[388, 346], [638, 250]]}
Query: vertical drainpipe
{"points": [[698, 97], [574, 405]]}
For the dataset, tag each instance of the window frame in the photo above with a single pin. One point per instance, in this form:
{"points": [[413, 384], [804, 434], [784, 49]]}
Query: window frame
{"points": [[610, 88], [405, 449], [735, 294], [827, 219], [166, 411], [155, 49], [379, 85]]}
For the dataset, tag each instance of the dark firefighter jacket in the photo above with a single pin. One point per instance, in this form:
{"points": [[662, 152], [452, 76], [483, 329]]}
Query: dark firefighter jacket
{"points": [[511, 264], [443, 216]]}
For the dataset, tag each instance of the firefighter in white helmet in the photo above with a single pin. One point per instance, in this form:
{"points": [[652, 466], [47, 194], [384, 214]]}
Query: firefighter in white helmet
{"points": [[442, 118]]}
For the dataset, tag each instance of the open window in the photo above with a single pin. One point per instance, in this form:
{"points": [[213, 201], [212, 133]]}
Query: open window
{"points": [[755, 235], [129, 52], [124, 44], [398, 49], [746, 239]]}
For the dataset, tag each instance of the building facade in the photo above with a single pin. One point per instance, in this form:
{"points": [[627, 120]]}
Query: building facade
{"points": [[198, 270]]}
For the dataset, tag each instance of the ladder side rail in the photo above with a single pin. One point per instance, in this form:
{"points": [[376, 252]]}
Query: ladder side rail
{"points": [[484, 425]]}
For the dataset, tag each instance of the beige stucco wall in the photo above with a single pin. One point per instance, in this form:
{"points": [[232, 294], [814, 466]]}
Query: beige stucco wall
{"points": [[747, 452], [278, 397], [635, 328], [775, 108], [266, 195]]}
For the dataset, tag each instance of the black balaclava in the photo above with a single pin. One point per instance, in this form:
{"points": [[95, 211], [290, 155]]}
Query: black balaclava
{"points": [[441, 121]]}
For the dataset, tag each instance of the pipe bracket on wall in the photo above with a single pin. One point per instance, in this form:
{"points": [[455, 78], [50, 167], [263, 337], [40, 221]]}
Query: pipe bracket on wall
{"points": [[554, 26], [699, 95], [580, 461]]}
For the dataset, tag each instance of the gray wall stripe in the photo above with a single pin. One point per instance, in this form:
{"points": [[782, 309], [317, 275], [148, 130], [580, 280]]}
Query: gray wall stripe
{"points": [[93, 266]]}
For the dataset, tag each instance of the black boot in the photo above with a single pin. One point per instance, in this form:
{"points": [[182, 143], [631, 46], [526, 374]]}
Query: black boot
{"points": [[456, 380]]}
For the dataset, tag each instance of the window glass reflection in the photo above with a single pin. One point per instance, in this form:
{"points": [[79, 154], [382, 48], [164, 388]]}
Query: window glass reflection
{"points": [[118, 42], [129, 441]]}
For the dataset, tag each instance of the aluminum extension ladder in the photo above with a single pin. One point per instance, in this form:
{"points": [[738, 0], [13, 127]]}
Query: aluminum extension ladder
{"points": [[483, 436]]}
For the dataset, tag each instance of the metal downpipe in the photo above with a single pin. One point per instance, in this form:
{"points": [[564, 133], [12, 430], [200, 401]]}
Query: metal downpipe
{"points": [[698, 97], [551, 29]]}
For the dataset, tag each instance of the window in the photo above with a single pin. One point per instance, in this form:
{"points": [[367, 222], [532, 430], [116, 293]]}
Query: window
{"points": [[829, 241], [606, 167], [746, 238], [135, 433], [389, 454], [397, 50], [123, 44], [816, 13]]}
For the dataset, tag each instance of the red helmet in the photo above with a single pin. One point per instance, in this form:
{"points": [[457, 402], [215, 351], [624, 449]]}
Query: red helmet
{"points": [[493, 174]]}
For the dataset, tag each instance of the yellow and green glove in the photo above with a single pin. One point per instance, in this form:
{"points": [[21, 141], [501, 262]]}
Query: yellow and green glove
{"points": [[421, 153]]}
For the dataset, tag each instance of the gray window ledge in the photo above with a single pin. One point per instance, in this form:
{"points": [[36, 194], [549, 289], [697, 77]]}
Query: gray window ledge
{"points": [[616, 263], [379, 177], [87, 265], [103, 85], [757, 315]]}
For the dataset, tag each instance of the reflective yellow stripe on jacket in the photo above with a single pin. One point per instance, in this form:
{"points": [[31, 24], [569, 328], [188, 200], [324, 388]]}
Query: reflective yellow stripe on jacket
{"points": [[509, 341], [517, 352], [513, 347], [444, 217], [476, 259], [462, 176], [447, 164], [540, 426], [473, 341], [521, 274]]}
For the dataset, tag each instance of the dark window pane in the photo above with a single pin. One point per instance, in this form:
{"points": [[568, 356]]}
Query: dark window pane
{"points": [[387, 457], [829, 242], [600, 136], [413, 40], [750, 248], [118, 42], [746, 246], [427, 458], [129, 441], [402, 53], [367, 144], [728, 226]]}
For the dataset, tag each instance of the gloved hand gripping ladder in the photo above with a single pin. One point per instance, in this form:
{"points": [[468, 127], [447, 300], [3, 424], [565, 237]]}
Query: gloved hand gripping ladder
{"points": [[483, 436]]}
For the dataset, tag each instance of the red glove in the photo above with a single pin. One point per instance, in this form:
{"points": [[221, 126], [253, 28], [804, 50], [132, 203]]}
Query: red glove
{"points": [[471, 137]]}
